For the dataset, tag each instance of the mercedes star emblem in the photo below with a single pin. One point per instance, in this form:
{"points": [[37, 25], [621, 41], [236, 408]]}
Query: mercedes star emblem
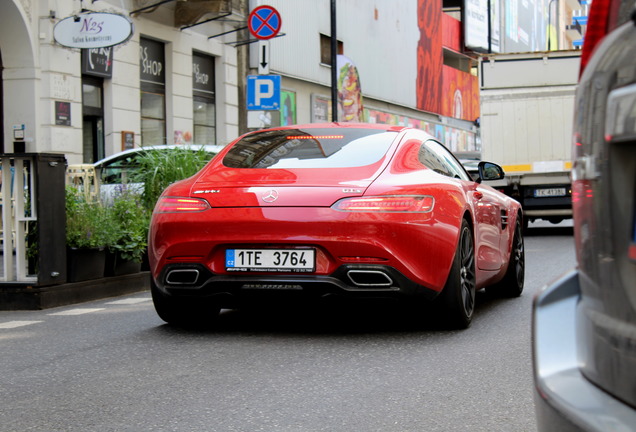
{"points": [[270, 196]]}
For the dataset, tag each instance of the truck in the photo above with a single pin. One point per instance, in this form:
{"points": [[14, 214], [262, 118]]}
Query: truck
{"points": [[526, 121]]}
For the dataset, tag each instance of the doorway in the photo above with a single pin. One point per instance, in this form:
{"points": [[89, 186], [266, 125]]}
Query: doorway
{"points": [[92, 119]]}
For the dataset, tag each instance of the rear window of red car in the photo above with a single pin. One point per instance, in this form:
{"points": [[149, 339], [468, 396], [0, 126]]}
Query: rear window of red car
{"points": [[310, 148]]}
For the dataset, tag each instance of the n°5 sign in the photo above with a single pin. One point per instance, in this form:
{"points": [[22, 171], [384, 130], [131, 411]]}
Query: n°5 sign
{"points": [[263, 92]]}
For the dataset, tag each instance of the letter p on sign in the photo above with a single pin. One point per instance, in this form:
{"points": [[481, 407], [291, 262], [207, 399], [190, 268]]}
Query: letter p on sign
{"points": [[263, 92]]}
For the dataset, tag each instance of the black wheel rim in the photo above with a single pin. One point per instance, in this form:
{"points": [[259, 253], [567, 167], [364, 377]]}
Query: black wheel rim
{"points": [[467, 272], [518, 255]]}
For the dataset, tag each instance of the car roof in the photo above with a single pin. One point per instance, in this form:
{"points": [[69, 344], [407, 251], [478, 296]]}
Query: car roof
{"points": [[207, 147]]}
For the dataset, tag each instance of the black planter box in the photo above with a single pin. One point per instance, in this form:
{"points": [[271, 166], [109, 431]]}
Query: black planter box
{"points": [[117, 266], [85, 264]]}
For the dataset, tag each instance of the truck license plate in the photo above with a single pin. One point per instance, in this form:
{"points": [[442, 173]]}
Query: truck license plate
{"points": [[549, 192], [270, 260]]}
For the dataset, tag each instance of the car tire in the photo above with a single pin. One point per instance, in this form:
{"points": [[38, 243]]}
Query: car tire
{"points": [[458, 295], [512, 283], [183, 312]]}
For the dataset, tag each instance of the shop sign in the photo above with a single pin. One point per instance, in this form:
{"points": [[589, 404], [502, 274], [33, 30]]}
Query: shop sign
{"points": [[152, 60], [203, 74], [93, 30], [98, 62]]}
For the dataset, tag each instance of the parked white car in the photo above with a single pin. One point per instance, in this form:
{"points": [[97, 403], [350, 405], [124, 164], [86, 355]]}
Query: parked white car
{"points": [[116, 172]]}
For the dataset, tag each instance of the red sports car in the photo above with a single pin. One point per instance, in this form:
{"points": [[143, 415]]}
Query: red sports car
{"points": [[321, 210]]}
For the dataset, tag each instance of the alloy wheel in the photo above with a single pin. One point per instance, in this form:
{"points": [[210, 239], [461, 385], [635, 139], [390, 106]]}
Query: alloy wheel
{"points": [[467, 272]]}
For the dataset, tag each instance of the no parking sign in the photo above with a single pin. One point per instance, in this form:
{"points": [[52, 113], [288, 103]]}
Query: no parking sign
{"points": [[264, 22]]}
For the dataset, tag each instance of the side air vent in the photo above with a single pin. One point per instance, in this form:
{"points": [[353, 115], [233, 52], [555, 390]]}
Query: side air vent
{"points": [[504, 219]]}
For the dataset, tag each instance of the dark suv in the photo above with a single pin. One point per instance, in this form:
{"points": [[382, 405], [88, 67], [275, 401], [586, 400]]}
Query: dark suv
{"points": [[584, 325]]}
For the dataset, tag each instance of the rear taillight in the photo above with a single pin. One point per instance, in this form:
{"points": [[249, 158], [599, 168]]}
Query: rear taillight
{"points": [[387, 204], [597, 28], [181, 205]]}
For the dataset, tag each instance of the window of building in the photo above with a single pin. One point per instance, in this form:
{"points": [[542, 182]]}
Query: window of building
{"points": [[153, 92], [325, 49], [204, 104]]}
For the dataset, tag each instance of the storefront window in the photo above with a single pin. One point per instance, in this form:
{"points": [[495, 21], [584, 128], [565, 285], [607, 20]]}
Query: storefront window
{"points": [[92, 119], [204, 121], [153, 94], [204, 108]]}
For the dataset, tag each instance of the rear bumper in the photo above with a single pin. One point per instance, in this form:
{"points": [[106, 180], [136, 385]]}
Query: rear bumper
{"points": [[549, 206], [564, 399], [348, 281], [419, 246]]}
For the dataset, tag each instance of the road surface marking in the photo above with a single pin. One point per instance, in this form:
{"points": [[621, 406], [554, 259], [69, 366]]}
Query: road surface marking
{"points": [[15, 324], [130, 301], [78, 311]]}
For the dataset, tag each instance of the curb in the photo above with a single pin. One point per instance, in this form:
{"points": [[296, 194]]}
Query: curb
{"points": [[37, 298]]}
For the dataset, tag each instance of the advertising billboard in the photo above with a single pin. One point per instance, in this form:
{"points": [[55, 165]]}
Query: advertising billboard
{"points": [[481, 19]]}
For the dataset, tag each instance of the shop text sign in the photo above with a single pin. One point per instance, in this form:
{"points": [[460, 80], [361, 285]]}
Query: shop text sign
{"points": [[93, 30]]}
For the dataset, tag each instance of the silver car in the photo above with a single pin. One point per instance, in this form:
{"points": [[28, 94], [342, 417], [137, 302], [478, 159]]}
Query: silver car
{"points": [[584, 325]]}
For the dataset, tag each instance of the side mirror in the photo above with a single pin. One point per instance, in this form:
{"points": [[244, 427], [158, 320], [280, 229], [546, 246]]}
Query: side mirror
{"points": [[490, 171]]}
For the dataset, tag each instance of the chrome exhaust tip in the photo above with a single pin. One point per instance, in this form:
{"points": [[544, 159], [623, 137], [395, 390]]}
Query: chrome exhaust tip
{"points": [[182, 277], [369, 278]]}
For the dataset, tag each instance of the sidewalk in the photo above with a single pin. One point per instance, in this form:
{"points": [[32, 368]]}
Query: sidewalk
{"points": [[36, 298]]}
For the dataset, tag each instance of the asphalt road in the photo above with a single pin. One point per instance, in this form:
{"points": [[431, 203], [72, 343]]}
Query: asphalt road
{"points": [[112, 365]]}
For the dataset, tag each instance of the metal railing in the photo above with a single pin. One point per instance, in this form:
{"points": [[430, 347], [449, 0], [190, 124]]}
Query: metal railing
{"points": [[17, 194]]}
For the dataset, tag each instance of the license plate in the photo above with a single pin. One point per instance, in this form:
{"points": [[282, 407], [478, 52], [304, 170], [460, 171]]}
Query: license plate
{"points": [[550, 192], [270, 260]]}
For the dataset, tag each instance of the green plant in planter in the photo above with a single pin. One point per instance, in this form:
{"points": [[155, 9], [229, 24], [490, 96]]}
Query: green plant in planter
{"points": [[88, 224], [158, 169], [130, 221]]}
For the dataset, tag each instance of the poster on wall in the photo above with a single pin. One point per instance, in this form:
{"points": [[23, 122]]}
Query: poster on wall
{"points": [[481, 25], [430, 56], [62, 113], [287, 108], [349, 91], [526, 25], [475, 21], [320, 109], [127, 140]]}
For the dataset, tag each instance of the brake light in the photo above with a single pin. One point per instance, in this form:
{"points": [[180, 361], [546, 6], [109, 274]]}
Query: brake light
{"points": [[387, 204], [308, 137], [599, 24], [180, 205]]}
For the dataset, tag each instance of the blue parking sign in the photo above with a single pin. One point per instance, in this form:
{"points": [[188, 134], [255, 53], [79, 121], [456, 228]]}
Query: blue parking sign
{"points": [[263, 92]]}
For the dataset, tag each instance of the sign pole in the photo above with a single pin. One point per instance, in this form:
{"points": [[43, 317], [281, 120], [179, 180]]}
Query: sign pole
{"points": [[334, 64]]}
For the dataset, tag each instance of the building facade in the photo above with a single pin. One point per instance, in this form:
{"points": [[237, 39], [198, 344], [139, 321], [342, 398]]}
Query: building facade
{"points": [[402, 56], [181, 77], [168, 83]]}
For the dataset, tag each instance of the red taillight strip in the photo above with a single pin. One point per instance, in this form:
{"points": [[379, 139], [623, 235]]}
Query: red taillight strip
{"points": [[387, 204], [307, 137], [181, 205], [597, 28]]}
